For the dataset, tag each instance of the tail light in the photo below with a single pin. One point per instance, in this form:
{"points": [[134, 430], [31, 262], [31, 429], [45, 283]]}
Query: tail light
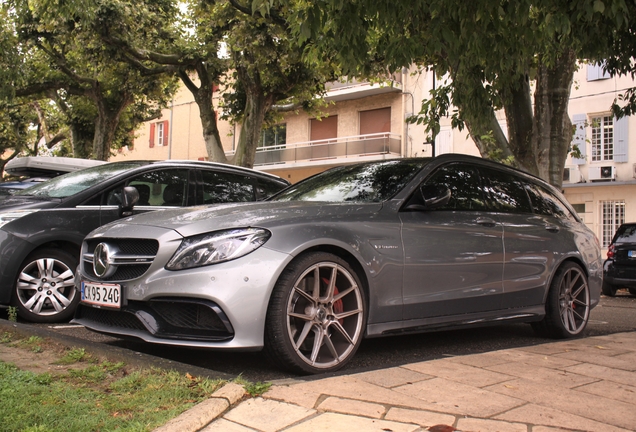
{"points": [[611, 251]]}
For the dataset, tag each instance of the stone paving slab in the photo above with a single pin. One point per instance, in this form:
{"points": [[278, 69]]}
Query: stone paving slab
{"points": [[423, 418], [608, 411], [469, 375], [392, 377], [554, 418], [332, 422], [541, 374], [355, 407], [478, 425], [267, 415]]}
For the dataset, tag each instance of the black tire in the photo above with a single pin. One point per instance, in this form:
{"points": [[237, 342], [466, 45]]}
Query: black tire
{"points": [[632, 291], [567, 305], [44, 291], [609, 289], [313, 325]]}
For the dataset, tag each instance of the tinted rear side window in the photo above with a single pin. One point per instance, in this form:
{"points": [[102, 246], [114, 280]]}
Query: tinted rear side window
{"points": [[626, 234], [507, 193], [467, 193], [547, 204], [222, 187]]}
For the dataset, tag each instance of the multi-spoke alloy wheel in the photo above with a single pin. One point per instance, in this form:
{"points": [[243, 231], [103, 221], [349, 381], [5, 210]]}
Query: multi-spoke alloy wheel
{"points": [[568, 304], [45, 287], [317, 315]]}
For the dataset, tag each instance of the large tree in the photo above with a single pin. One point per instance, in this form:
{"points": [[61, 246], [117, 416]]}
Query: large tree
{"points": [[252, 58], [63, 58], [518, 57]]}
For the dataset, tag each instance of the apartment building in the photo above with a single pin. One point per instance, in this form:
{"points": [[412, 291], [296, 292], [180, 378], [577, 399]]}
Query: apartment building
{"points": [[366, 121]]}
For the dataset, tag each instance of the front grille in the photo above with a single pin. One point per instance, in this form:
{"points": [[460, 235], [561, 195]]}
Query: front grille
{"points": [[123, 273], [168, 318], [125, 247]]}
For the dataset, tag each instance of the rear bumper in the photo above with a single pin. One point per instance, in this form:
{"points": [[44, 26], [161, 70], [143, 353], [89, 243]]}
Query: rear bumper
{"points": [[624, 276]]}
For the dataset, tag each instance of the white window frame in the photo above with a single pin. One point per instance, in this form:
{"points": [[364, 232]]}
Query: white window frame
{"points": [[602, 138], [612, 215], [160, 137]]}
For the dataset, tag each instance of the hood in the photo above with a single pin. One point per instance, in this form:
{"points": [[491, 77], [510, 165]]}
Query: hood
{"points": [[202, 219], [18, 202]]}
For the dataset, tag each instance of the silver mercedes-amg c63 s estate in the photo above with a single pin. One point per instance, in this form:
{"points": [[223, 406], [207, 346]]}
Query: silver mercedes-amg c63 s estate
{"points": [[365, 250]]}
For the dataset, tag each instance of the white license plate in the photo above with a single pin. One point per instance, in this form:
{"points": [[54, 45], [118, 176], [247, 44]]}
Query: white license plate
{"points": [[99, 294]]}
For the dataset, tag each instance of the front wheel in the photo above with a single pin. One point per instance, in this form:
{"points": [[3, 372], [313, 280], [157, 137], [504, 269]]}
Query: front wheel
{"points": [[316, 315], [568, 304], [44, 291]]}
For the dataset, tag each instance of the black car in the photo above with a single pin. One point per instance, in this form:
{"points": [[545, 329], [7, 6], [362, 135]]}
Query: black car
{"points": [[619, 270], [42, 228]]}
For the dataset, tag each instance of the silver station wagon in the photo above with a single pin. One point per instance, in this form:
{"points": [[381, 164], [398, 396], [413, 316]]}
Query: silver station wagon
{"points": [[359, 251]]}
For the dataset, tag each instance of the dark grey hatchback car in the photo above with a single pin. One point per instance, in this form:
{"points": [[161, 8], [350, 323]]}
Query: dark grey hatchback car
{"points": [[42, 228]]}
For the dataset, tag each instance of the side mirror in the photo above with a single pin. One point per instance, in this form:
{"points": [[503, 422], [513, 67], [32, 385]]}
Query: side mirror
{"points": [[129, 197], [435, 195]]}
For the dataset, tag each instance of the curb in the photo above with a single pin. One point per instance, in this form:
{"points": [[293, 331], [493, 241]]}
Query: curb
{"points": [[207, 411]]}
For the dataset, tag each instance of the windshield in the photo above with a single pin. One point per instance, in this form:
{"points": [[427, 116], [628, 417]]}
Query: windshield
{"points": [[77, 181], [369, 182]]}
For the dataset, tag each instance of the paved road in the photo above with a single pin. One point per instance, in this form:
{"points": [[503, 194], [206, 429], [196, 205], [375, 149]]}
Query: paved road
{"points": [[611, 316]]}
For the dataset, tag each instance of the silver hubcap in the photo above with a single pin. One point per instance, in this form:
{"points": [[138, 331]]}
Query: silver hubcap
{"points": [[46, 286], [324, 315], [574, 301]]}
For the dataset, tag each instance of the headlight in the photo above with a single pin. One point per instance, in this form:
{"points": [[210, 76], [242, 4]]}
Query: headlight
{"points": [[216, 247], [6, 217]]}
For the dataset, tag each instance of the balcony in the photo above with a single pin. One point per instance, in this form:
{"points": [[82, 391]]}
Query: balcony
{"points": [[353, 89], [327, 150]]}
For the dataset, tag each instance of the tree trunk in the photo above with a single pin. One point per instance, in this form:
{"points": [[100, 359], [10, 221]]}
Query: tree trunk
{"points": [[203, 98], [106, 125], [256, 108], [552, 132]]}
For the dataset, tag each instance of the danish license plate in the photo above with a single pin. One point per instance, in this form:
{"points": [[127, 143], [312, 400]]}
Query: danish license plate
{"points": [[99, 294]]}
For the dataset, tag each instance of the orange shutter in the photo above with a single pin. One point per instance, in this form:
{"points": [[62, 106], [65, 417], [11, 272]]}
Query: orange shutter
{"points": [[166, 140], [152, 135]]}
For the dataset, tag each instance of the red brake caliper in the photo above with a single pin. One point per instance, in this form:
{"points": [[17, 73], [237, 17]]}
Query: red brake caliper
{"points": [[338, 307]]}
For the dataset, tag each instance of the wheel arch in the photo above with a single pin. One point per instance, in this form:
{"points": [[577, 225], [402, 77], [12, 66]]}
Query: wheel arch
{"points": [[570, 259], [349, 258]]}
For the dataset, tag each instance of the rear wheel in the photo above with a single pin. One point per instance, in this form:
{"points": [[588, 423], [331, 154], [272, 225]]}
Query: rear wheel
{"points": [[44, 291], [609, 289], [316, 316], [568, 304]]}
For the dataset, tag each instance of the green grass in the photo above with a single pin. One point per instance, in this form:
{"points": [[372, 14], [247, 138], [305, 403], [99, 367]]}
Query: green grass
{"points": [[101, 397]]}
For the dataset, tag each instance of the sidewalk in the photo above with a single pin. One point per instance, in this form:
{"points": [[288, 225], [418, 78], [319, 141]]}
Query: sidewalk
{"points": [[577, 385]]}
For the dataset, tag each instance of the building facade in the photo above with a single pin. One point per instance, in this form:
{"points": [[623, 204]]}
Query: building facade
{"points": [[365, 121]]}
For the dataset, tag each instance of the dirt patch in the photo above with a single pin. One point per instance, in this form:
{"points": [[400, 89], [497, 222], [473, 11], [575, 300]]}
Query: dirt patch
{"points": [[39, 358]]}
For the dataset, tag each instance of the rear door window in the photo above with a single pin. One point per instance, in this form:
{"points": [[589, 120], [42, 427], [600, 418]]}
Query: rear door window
{"points": [[467, 193], [506, 192], [222, 187]]}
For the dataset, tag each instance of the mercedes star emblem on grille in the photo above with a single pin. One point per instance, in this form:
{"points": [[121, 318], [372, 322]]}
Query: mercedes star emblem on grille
{"points": [[101, 261]]}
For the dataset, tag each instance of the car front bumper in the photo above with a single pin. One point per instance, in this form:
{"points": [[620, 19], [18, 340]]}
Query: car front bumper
{"points": [[218, 306]]}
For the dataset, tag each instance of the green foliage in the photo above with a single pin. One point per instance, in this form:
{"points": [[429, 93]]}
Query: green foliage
{"points": [[72, 356], [12, 313], [139, 400], [253, 389]]}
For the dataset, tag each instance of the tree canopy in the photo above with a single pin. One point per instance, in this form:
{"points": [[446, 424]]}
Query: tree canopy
{"points": [[518, 57]]}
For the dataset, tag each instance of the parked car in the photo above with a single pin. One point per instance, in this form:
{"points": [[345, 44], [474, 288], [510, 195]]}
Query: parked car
{"points": [[36, 169], [42, 228], [366, 250], [619, 269]]}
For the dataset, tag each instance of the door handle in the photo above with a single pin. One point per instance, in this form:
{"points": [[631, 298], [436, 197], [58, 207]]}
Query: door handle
{"points": [[486, 221], [552, 228]]}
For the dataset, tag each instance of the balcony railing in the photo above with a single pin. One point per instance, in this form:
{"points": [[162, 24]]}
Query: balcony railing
{"points": [[343, 147]]}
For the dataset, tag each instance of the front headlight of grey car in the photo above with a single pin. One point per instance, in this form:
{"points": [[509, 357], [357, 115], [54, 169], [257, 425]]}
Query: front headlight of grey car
{"points": [[217, 247]]}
